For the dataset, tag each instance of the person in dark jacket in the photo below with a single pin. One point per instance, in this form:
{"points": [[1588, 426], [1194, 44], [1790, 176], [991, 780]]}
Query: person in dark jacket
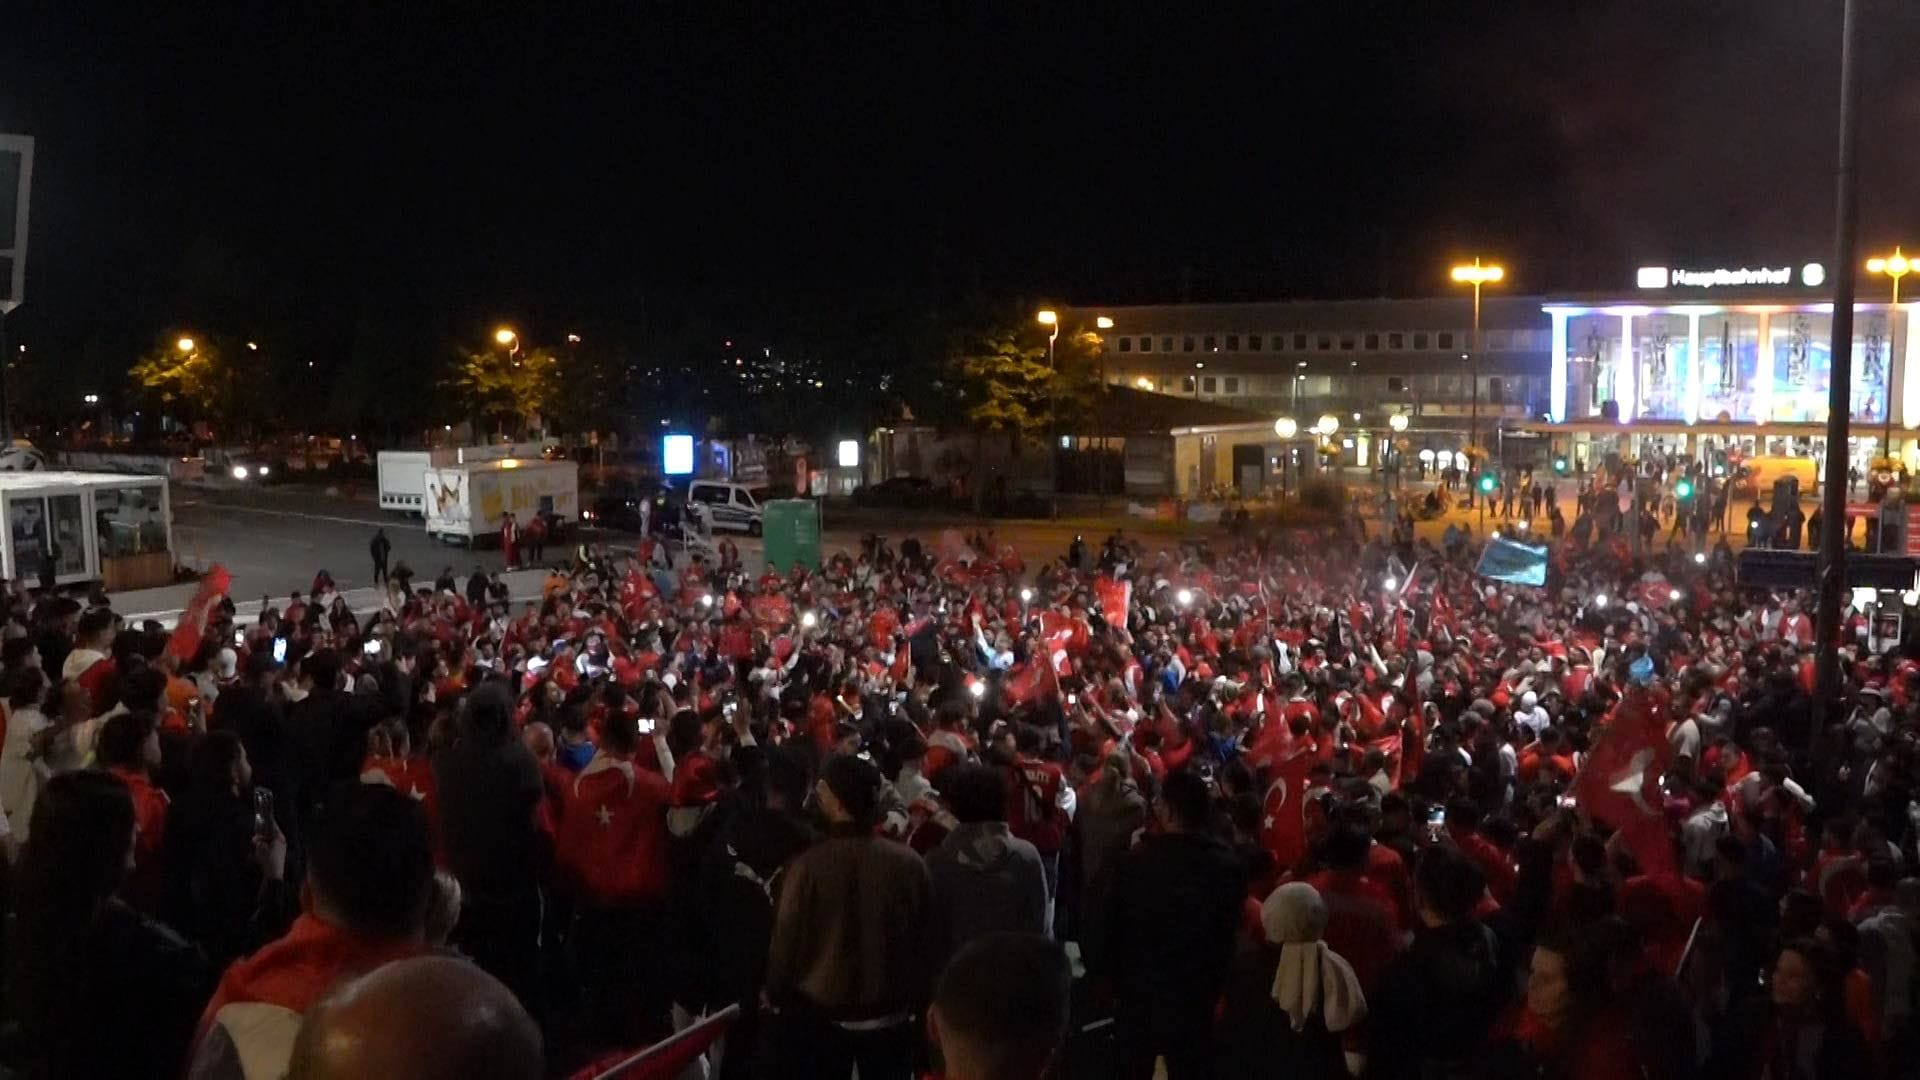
{"points": [[225, 881], [250, 709], [490, 794], [985, 879], [329, 732], [99, 990], [1167, 935], [737, 884], [1799, 1028], [848, 967], [1438, 1000]]}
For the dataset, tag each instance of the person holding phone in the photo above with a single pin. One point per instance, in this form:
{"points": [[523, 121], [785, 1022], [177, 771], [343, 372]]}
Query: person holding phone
{"points": [[225, 859]]}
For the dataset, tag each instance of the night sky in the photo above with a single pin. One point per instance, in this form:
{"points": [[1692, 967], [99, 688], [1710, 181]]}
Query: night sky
{"points": [[651, 170]]}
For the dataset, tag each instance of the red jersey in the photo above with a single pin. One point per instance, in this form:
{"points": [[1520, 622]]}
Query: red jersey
{"points": [[611, 841], [1033, 803]]}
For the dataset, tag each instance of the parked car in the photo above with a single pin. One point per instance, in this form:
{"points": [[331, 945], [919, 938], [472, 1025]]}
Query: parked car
{"points": [[619, 507], [898, 491], [733, 506]]}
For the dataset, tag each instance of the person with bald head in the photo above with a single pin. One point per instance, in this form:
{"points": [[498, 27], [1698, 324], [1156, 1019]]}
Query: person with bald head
{"points": [[424, 1018]]}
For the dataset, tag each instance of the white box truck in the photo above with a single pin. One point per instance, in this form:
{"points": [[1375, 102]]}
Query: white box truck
{"points": [[465, 501], [403, 473], [403, 477]]}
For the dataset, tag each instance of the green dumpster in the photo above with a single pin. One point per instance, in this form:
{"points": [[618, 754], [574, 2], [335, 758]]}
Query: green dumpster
{"points": [[792, 531]]}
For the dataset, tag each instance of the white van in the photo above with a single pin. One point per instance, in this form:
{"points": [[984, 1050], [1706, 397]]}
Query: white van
{"points": [[730, 506]]}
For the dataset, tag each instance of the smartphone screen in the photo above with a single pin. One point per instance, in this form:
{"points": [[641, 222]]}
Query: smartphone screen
{"points": [[239, 636], [279, 650], [262, 812]]}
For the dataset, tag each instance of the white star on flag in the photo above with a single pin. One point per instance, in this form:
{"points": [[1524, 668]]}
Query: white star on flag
{"points": [[604, 816]]}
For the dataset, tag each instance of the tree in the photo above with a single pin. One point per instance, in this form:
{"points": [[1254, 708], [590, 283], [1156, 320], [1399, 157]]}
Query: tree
{"points": [[199, 376], [1004, 384], [507, 387]]}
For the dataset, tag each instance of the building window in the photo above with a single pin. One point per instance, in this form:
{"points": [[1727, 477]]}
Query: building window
{"points": [[1146, 344], [1207, 384], [1346, 342], [1419, 341], [1166, 344], [1324, 342], [1497, 390], [1396, 342], [1444, 340], [1396, 385], [1213, 343], [1253, 342], [1163, 386], [1300, 342], [1186, 343], [1233, 384], [1126, 344], [1186, 384], [1373, 341], [1497, 339], [1233, 342]]}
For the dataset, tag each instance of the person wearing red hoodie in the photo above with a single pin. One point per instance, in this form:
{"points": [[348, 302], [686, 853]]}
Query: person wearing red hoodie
{"points": [[369, 878], [129, 749], [611, 849]]}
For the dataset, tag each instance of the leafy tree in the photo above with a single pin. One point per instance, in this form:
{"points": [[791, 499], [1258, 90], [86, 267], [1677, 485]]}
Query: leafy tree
{"points": [[507, 388], [1004, 385], [212, 378]]}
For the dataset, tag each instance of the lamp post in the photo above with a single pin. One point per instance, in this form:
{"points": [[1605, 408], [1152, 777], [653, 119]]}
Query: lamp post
{"points": [[1895, 267], [1476, 275], [1286, 428], [1397, 424], [1051, 320]]}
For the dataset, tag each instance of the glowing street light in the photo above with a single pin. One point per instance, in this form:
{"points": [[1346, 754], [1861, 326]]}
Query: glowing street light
{"points": [[573, 339], [1476, 276], [185, 344], [505, 336], [253, 346], [1895, 267], [1048, 317], [1286, 427], [1103, 322], [1398, 421], [1328, 425]]}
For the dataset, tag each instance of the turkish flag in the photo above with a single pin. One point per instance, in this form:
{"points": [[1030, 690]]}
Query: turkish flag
{"points": [[1620, 783], [1027, 682], [1283, 819], [187, 634]]}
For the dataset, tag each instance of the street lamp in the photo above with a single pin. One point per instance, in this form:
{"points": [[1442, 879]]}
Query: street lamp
{"points": [[1477, 275], [185, 344], [1051, 320], [1286, 428], [1328, 425], [1894, 266], [1103, 322], [1398, 422]]}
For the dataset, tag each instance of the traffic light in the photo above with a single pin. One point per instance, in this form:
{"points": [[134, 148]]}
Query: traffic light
{"points": [[1486, 482], [1683, 490], [1560, 465]]}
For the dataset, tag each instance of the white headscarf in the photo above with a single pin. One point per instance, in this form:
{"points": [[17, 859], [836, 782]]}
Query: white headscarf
{"points": [[1311, 978]]}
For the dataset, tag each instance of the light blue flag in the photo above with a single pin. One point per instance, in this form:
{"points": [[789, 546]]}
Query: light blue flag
{"points": [[1518, 564]]}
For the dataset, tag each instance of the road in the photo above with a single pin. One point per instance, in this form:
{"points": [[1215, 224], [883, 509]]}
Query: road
{"points": [[274, 539]]}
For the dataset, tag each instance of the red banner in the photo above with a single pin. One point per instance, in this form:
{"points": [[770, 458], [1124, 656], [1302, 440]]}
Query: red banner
{"points": [[192, 627], [1620, 783], [774, 610]]}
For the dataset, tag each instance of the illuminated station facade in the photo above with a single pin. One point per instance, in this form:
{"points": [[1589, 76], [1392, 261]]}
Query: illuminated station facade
{"points": [[1709, 363], [1732, 360]]}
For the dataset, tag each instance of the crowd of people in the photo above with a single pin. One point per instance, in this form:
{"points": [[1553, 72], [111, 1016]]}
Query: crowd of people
{"points": [[1274, 805]]}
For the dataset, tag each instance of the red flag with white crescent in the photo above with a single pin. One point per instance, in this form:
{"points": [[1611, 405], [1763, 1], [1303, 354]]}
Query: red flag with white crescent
{"points": [[192, 627], [1619, 783]]}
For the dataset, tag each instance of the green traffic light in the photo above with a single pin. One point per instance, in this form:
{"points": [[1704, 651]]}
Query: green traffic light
{"points": [[1486, 483], [1560, 465], [1683, 489]]}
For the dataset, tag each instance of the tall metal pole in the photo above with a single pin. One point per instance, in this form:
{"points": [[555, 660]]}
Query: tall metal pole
{"points": [[1893, 357], [1473, 418], [1833, 549]]}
